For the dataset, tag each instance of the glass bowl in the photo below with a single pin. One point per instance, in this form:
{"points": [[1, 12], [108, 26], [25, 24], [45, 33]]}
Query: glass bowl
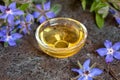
{"points": [[61, 37]]}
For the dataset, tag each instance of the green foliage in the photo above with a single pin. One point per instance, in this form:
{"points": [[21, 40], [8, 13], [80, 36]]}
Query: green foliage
{"points": [[83, 3], [56, 8], [104, 11], [97, 5], [115, 3], [24, 6], [99, 20], [100, 8]]}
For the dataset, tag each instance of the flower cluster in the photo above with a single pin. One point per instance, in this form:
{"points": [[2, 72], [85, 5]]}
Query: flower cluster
{"points": [[7, 33], [110, 52], [17, 21]]}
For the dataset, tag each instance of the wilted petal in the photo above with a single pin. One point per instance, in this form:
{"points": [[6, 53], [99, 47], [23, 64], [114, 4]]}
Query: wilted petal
{"points": [[11, 19], [116, 55], [12, 5], [38, 6], [2, 8], [18, 12], [3, 16], [109, 58], [95, 72], [108, 44], [47, 6], [80, 71], [50, 14], [16, 36], [36, 14], [102, 51], [86, 65], [11, 42], [117, 20], [116, 46], [42, 19]]}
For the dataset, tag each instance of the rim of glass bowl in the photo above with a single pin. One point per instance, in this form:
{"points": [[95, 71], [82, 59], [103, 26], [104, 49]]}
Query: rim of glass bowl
{"points": [[59, 49]]}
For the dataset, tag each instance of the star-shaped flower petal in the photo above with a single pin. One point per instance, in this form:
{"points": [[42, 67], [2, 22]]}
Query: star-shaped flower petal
{"points": [[43, 12], [8, 12], [87, 73], [11, 39], [24, 24], [111, 51]]}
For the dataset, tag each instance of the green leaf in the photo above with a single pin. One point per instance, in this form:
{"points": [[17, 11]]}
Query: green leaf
{"points": [[97, 5], [104, 11], [99, 20], [5, 44], [56, 8], [93, 6], [116, 5], [24, 6], [83, 4]]}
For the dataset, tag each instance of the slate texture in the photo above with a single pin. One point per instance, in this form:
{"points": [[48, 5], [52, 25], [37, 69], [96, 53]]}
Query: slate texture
{"points": [[26, 62]]}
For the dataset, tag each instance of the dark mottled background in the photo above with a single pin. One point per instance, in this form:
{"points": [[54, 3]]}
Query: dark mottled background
{"points": [[25, 62]]}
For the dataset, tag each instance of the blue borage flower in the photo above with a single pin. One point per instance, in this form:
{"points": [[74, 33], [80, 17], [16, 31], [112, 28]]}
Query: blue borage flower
{"points": [[110, 51], [112, 11], [8, 12], [87, 73], [117, 20], [9, 38], [116, 15], [25, 23], [43, 12]]}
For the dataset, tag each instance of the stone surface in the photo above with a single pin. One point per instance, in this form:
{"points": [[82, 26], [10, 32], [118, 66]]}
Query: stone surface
{"points": [[26, 62]]}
